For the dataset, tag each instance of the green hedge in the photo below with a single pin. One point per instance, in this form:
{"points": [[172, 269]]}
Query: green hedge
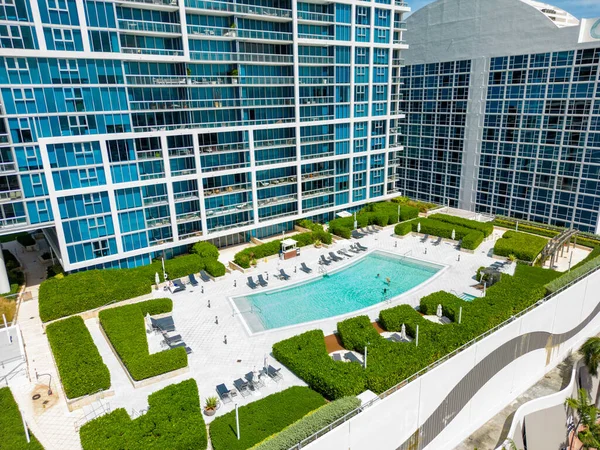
{"points": [[173, 421], [26, 240], [523, 245], [403, 228], [309, 424], [214, 268], [262, 418], [389, 363], [125, 328], [12, 434], [205, 250], [470, 238], [11, 237], [79, 363], [82, 291], [486, 228], [306, 356], [15, 274], [571, 276], [421, 206]]}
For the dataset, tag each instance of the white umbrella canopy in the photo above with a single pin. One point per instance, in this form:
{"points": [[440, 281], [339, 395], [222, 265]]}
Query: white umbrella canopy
{"points": [[453, 234], [403, 332], [439, 311], [419, 227], [156, 278], [148, 323]]}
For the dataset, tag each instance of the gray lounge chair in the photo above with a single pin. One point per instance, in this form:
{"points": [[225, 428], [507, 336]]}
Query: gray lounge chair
{"points": [[274, 374], [283, 275], [242, 387], [372, 229], [255, 382], [181, 344], [354, 249], [438, 241], [178, 286], [337, 357], [334, 257], [352, 357], [424, 238], [361, 247], [225, 393], [163, 324], [204, 276], [395, 338], [364, 231], [171, 339], [251, 283], [193, 280], [357, 235], [324, 260], [344, 253], [262, 281], [304, 268]]}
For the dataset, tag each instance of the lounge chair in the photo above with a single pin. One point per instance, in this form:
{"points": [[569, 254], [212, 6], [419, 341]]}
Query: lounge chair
{"points": [[324, 260], [395, 338], [354, 249], [274, 374], [361, 247], [251, 283], [242, 387], [171, 339], [177, 286], [262, 281], [352, 357], [225, 393], [255, 382], [181, 344], [193, 280], [204, 276], [283, 275], [356, 234], [424, 238], [334, 257], [372, 229], [337, 357], [304, 268], [344, 253], [438, 241], [364, 231], [163, 324]]}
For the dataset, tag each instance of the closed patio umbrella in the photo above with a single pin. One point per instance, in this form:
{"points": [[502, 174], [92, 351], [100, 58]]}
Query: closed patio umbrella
{"points": [[403, 332], [419, 227], [453, 234], [439, 311], [148, 324], [156, 279]]}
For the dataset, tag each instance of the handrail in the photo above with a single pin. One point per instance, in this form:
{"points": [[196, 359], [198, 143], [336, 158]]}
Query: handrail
{"points": [[5, 377], [435, 364]]}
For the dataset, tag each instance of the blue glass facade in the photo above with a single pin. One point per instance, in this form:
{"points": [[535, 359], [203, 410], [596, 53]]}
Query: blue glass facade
{"points": [[141, 126]]}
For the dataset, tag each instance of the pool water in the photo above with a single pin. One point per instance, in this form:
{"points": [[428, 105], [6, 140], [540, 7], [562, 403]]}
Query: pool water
{"points": [[357, 286]]}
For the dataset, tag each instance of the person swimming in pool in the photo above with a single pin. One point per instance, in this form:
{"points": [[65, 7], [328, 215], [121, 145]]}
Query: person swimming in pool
{"points": [[388, 281], [377, 276]]}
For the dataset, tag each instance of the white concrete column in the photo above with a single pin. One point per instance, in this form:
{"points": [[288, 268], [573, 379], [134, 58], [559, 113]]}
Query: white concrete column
{"points": [[4, 283]]}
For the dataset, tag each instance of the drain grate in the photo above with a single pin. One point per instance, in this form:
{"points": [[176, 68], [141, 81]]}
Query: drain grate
{"points": [[36, 397]]}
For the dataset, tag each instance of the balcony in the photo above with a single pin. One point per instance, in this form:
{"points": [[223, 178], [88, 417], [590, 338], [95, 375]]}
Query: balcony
{"points": [[316, 100], [316, 80], [318, 118], [318, 192], [316, 60], [318, 175], [184, 196], [306, 16], [315, 36], [160, 241], [274, 143], [181, 151], [187, 217], [195, 126], [223, 148], [399, 25], [262, 218], [158, 223], [231, 225], [13, 222], [140, 26], [151, 4], [231, 209], [317, 138], [158, 200], [213, 192], [265, 12], [313, 208], [152, 51], [8, 196], [280, 181], [226, 167], [277, 200], [8, 167]]}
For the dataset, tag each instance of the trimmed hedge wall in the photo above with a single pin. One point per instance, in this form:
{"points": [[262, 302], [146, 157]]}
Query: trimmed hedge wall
{"points": [[79, 363], [15, 274], [524, 246], [486, 228], [82, 291], [444, 229], [12, 434], [262, 418], [26, 240], [403, 228], [571, 276], [125, 328], [381, 214], [173, 421], [391, 362], [205, 250], [309, 424]]}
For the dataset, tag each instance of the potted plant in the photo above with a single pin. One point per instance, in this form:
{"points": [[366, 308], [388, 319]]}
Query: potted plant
{"points": [[189, 71], [210, 406], [318, 243], [253, 262], [234, 76], [512, 258]]}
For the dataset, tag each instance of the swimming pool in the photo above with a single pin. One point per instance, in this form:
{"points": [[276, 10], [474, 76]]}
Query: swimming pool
{"points": [[357, 286]]}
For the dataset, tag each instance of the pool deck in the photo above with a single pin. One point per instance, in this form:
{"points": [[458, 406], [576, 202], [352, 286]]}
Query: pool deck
{"points": [[213, 360]]}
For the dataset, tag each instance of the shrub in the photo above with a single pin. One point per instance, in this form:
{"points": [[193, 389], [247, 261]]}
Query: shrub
{"points": [[525, 247], [174, 420], [309, 424], [307, 357], [11, 237], [472, 240], [82, 291], [125, 328], [420, 206], [25, 240], [571, 276], [486, 228], [79, 363], [444, 229], [244, 257], [381, 219], [262, 418], [205, 250], [214, 268], [403, 228], [12, 435], [389, 363]]}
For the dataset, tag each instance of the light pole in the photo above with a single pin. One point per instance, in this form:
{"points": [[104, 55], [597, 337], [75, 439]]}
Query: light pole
{"points": [[237, 421]]}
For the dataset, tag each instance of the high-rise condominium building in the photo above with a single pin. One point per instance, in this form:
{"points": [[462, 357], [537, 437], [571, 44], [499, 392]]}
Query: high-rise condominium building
{"points": [[503, 110], [132, 128]]}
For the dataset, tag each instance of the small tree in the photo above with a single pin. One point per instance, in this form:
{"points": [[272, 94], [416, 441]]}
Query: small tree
{"points": [[587, 415]]}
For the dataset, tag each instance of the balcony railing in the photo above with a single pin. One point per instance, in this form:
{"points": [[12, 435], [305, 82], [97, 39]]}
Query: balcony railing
{"points": [[182, 196], [279, 181], [226, 167], [240, 57], [318, 175], [277, 200], [8, 167], [160, 241], [213, 192], [10, 195], [157, 223], [172, 3], [230, 225], [224, 210], [238, 8], [315, 36], [276, 215], [318, 60], [264, 162], [315, 17], [192, 126], [285, 142], [318, 118], [312, 208], [316, 100], [158, 200], [317, 138], [187, 217], [152, 51], [13, 222], [181, 151], [151, 27], [317, 192], [233, 147], [399, 25], [316, 80]]}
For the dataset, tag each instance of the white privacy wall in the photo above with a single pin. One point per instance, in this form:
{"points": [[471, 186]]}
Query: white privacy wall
{"points": [[518, 354]]}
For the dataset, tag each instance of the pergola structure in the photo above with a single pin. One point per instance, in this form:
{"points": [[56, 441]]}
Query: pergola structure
{"points": [[557, 243]]}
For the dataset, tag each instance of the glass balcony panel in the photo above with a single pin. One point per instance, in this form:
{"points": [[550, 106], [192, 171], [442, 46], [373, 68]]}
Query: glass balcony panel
{"points": [[147, 26]]}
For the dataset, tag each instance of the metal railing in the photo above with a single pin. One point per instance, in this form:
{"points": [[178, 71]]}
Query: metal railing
{"points": [[13, 372], [146, 26], [152, 51], [315, 16], [437, 363], [239, 8]]}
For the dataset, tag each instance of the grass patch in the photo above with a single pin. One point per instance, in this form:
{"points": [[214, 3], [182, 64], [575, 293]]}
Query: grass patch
{"points": [[80, 365], [8, 307], [421, 206], [126, 330], [11, 237], [263, 418], [391, 362], [173, 421], [12, 434], [522, 245]]}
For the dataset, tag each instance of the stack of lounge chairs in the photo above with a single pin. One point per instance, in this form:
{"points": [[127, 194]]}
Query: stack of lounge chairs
{"points": [[166, 325], [356, 248], [176, 286]]}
